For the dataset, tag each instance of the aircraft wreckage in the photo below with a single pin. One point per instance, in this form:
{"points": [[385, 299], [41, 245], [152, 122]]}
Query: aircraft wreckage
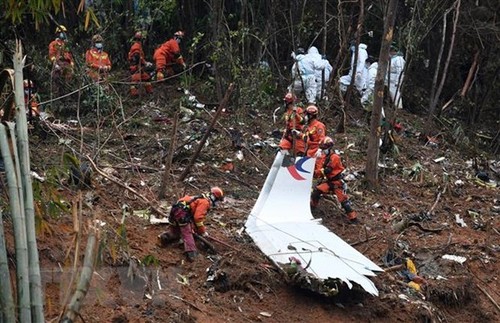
{"points": [[282, 226]]}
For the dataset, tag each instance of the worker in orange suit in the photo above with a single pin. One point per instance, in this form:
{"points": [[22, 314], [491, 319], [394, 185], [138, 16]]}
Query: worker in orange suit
{"points": [[168, 58], [138, 65], [313, 132], [329, 170], [31, 99], [294, 120], [186, 218], [61, 58], [98, 61]]}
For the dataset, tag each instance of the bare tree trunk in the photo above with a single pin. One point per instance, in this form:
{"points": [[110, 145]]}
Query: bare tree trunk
{"points": [[222, 106], [29, 210], [168, 164], [470, 75], [433, 102], [447, 63], [356, 68], [373, 141]]}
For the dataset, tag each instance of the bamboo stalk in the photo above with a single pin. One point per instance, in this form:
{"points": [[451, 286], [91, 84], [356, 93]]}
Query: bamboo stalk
{"points": [[7, 313], [22, 262], [85, 278], [29, 210]]}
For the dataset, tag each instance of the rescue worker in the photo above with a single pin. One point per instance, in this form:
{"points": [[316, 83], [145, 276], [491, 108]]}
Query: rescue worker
{"points": [[367, 97], [97, 60], [329, 171], [138, 65], [322, 84], [61, 58], [168, 58], [186, 218], [313, 132], [304, 73], [395, 76], [294, 120], [31, 99], [361, 71]]}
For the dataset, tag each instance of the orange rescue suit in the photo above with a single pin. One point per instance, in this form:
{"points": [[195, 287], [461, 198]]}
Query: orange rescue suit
{"points": [[199, 209], [314, 132], [98, 63], [58, 52], [165, 56], [293, 120]]}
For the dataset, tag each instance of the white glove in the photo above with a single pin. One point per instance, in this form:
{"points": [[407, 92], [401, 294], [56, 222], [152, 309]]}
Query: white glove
{"points": [[295, 132], [57, 67], [205, 234], [149, 64], [293, 55], [318, 153]]}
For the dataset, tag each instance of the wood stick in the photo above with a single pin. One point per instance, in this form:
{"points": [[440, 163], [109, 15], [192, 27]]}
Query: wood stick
{"points": [[170, 156], [363, 241], [222, 106], [489, 297], [130, 189], [187, 302]]}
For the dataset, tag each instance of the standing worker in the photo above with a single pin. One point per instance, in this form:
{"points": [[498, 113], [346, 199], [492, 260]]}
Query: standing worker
{"points": [[294, 120], [329, 170], [313, 132], [98, 61], [61, 59], [361, 70], [395, 76], [187, 217], [138, 64], [168, 58]]}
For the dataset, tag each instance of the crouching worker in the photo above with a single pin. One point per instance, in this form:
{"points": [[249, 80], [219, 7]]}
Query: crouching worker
{"points": [[186, 219], [328, 170]]}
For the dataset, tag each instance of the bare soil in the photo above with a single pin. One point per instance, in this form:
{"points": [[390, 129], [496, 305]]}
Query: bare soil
{"points": [[136, 280]]}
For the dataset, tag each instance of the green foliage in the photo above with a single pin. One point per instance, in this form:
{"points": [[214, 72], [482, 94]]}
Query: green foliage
{"points": [[37, 9], [149, 260]]}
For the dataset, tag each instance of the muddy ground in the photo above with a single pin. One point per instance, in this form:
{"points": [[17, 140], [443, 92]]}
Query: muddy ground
{"points": [[136, 280]]}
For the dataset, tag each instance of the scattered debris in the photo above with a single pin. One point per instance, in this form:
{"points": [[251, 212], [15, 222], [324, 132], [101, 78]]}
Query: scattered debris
{"points": [[460, 221], [455, 258]]}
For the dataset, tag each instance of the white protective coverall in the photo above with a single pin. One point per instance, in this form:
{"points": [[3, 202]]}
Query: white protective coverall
{"points": [[308, 65], [319, 81], [367, 97], [361, 71], [394, 79]]}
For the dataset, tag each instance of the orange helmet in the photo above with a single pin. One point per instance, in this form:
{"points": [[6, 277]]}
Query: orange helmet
{"points": [[312, 110], [290, 98], [217, 193], [326, 143], [179, 34]]}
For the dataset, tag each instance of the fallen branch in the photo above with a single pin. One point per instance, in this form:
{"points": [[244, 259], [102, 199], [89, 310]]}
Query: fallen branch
{"points": [[363, 241], [187, 302], [223, 243], [489, 297], [250, 287], [203, 140], [125, 186]]}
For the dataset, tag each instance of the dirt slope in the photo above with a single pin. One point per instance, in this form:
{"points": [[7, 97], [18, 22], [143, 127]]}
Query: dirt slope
{"points": [[138, 281]]}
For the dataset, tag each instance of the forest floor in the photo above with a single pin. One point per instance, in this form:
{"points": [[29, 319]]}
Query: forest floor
{"points": [[136, 280]]}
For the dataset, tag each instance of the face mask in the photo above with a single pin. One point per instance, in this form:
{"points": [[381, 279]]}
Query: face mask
{"points": [[353, 48], [62, 36], [98, 46], [306, 118]]}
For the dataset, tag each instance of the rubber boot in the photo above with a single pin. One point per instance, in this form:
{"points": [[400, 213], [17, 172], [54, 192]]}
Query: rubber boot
{"points": [[350, 213], [315, 196]]}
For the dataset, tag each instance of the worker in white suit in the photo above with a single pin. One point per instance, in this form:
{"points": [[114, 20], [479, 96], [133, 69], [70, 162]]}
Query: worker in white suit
{"points": [[319, 77], [361, 70], [395, 76], [367, 97], [308, 65]]}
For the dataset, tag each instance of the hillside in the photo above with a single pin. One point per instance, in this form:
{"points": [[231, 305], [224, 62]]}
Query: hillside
{"points": [[136, 280]]}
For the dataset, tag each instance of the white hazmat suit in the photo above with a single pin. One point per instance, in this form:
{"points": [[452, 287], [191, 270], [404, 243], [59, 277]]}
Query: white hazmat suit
{"points": [[367, 97], [308, 66], [394, 79], [361, 70], [319, 77]]}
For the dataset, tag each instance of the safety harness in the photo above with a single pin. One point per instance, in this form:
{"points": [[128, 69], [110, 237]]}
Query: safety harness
{"points": [[185, 207]]}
